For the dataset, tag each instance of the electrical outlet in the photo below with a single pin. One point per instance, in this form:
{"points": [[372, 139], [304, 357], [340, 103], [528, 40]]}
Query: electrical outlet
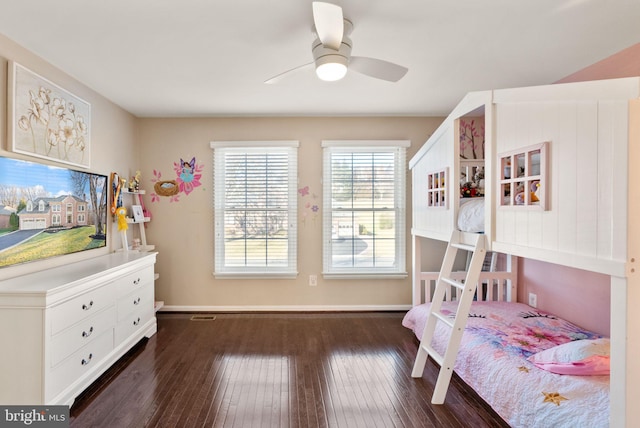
{"points": [[313, 280], [533, 300]]}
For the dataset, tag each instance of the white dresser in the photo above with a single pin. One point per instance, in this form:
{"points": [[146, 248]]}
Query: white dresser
{"points": [[61, 328]]}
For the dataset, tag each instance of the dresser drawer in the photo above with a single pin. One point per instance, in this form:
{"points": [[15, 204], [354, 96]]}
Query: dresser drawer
{"points": [[80, 334], [133, 322], [135, 280], [133, 302], [81, 307], [79, 363]]}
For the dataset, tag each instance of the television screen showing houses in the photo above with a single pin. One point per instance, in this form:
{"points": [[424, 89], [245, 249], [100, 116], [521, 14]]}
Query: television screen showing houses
{"points": [[48, 211]]}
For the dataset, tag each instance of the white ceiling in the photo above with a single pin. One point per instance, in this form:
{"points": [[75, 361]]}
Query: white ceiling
{"points": [[159, 58]]}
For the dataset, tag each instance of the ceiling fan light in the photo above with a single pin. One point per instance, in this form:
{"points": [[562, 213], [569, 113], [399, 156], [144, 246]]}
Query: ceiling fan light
{"points": [[331, 71], [331, 64]]}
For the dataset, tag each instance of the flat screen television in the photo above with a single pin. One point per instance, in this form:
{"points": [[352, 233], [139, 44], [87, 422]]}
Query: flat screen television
{"points": [[48, 211]]}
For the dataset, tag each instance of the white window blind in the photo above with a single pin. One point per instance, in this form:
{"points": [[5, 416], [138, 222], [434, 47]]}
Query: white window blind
{"points": [[364, 208], [255, 208]]}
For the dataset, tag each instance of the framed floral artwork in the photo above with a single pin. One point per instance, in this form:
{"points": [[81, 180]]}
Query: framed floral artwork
{"points": [[46, 120]]}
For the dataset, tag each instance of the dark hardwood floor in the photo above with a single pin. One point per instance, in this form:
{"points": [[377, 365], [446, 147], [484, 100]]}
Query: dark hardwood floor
{"points": [[276, 370]]}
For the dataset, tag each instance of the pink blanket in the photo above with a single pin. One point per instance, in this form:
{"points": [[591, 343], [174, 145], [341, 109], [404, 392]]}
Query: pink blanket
{"points": [[492, 360]]}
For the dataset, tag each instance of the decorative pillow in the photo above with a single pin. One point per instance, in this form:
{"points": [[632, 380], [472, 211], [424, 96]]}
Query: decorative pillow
{"points": [[580, 357]]}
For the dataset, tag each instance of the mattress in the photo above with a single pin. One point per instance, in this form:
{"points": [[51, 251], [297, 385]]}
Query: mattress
{"points": [[496, 343]]}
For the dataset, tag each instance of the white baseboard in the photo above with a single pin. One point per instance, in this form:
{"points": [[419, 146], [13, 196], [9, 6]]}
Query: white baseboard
{"points": [[286, 308]]}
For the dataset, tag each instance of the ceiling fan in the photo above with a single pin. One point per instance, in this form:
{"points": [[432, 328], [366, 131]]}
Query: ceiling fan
{"points": [[332, 50]]}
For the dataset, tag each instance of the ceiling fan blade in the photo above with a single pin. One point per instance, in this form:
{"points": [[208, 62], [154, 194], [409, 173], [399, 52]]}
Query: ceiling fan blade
{"points": [[329, 24], [377, 68], [279, 77]]}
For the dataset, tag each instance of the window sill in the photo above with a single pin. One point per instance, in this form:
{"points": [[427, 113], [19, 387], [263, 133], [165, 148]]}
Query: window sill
{"points": [[255, 275], [362, 275]]}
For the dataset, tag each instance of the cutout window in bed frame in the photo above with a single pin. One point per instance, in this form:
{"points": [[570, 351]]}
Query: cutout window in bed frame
{"points": [[437, 188], [523, 177]]}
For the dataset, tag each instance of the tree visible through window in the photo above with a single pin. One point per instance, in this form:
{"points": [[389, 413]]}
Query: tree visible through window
{"points": [[364, 207], [255, 208]]}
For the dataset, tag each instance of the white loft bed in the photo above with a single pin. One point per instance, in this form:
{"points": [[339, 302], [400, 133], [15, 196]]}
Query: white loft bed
{"points": [[586, 219]]}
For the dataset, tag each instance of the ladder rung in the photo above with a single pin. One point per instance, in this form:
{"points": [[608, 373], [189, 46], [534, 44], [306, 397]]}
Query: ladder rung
{"points": [[453, 282], [465, 247], [433, 354], [444, 318]]}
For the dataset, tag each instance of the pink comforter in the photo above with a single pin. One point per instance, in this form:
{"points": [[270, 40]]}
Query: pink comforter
{"points": [[492, 360]]}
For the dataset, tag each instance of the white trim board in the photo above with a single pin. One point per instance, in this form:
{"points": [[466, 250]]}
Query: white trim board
{"points": [[286, 308]]}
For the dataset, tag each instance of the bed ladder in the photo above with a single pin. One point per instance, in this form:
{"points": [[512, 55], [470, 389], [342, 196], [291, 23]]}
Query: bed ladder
{"points": [[475, 244]]}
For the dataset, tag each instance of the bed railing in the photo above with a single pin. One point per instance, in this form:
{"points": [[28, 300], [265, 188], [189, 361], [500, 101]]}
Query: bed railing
{"points": [[494, 285]]}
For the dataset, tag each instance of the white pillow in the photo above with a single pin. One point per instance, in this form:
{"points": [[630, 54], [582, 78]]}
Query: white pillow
{"points": [[580, 357], [471, 215]]}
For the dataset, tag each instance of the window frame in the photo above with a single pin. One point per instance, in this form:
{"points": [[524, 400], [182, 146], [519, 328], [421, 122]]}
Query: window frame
{"points": [[526, 177], [249, 272], [398, 147], [438, 189]]}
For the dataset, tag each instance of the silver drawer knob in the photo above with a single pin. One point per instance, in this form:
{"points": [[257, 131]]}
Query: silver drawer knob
{"points": [[88, 360], [87, 307], [87, 334]]}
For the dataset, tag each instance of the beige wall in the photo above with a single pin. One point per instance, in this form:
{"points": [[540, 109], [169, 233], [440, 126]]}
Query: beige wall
{"points": [[183, 231], [112, 136]]}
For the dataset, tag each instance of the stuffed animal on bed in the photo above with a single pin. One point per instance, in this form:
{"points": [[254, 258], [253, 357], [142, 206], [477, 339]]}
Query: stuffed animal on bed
{"points": [[469, 190], [478, 178], [533, 188], [475, 187]]}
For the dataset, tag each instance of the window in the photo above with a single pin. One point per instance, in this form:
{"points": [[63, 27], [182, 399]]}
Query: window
{"points": [[364, 208], [523, 178], [437, 188], [255, 208]]}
